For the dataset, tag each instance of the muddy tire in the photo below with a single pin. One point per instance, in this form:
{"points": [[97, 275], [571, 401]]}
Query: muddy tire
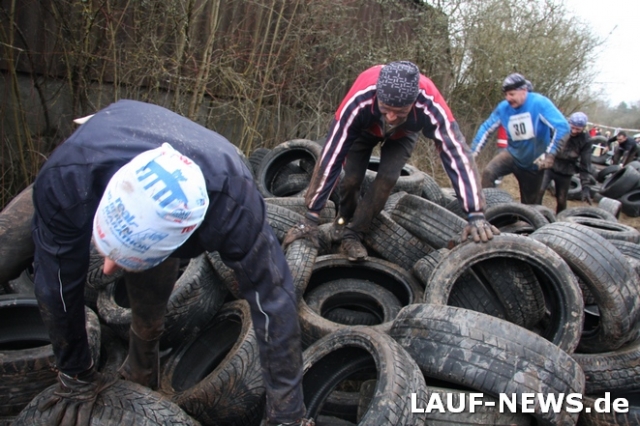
{"points": [[216, 376], [549, 214], [586, 211], [332, 267], [255, 158], [607, 229], [559, 286], [361, 353], [122, 403], [621, 182], [610, 205], [281, 219], [611, 371], [394, 243], [353, 296], [410, 181], [297, 204], [431, 190], [487, 354], [27, 363], [275, 162], [632, 417], [16, 244], [501, 215], [431, 223], [611, 281]]}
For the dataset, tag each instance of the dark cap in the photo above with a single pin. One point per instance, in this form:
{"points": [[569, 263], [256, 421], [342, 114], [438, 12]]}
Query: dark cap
{"points": [[398, 84], [514, 81]]}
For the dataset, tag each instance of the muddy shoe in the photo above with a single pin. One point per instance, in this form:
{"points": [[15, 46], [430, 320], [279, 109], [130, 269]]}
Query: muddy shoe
{"points": [[353, 249]]}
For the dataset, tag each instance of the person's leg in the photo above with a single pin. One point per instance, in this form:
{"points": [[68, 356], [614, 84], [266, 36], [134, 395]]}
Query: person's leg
{"points": [[148, 292], [529, 182], [563, 183], [275, 321], [393, 157], [546, 180], [501, 165], [354, 171], [616, 156]]}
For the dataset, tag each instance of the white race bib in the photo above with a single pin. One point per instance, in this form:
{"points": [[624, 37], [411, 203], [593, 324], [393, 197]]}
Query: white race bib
{"points": [[521, 127]]}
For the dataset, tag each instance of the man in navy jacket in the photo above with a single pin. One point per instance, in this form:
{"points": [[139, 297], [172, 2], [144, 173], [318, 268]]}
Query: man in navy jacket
{"points": [[151, 187]]}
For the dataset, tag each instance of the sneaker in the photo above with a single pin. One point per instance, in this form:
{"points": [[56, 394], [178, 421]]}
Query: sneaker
{"points": [[353, 249]]}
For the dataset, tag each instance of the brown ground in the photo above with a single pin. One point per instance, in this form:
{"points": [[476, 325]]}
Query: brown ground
{"points": [[510, 184]]}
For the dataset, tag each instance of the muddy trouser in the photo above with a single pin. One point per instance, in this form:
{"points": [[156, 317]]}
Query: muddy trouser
{"points": [[562, 184], [393, 156], [148, 293], [503, 164]]}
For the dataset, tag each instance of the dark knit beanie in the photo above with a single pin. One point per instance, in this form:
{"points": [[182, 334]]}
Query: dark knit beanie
{"points": [[398, 84]]}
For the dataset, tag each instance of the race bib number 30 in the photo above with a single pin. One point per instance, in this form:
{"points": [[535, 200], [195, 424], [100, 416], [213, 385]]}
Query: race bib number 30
{"points": [[521, 127]]}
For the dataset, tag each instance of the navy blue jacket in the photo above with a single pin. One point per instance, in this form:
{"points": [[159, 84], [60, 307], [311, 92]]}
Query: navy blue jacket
{"points": [[71, 183]]}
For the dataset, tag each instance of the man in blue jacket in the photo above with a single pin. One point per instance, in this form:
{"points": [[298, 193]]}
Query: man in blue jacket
{"points": [[536, 129], [148, 187]]}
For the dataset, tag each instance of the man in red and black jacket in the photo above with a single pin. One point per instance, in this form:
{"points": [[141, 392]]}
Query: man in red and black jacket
{"points": [[390, 105]]}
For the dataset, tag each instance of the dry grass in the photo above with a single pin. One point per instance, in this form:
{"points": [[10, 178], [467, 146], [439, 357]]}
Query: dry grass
{"points": [[510, 184]]}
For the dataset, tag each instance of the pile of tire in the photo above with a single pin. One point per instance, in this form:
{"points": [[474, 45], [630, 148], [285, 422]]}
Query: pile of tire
{"points": [[550, 306], [621, 183]]}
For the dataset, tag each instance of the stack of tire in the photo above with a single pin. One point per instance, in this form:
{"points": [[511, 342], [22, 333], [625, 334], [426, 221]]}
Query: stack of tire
{"points": [[622, 184], [550, 306]]}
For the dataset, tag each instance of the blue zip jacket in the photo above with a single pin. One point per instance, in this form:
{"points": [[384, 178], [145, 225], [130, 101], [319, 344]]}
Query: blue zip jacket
{"points": [[535, 127]]}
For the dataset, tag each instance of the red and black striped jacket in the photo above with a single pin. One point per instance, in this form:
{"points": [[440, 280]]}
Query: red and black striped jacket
{"points": [[358, 116]]}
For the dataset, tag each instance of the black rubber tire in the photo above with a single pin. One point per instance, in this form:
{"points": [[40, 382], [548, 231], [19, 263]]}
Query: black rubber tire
{"points": [[16, 244], [575, 188], [487, 354], [341, 406], [216, 376], [610, 205], [627, 248], [301, 257], [467, 292], [331, 267], [501, 215], [431, 190], [630, 203], [611, 371], [487, 414], [606, 172], [292, 185], [297, 204], [549, 214], [194, 300], [607, 229], [363, 353], [356, 296], [255, 158], [562, 294], [27, 363], [504, 288], [621, 182], [410, 181], [394, 243], [280, 156], [592, 212], [492, 196], [520, 228], [281, 219], [23, 284], [609, 278], [431, 223], [123, 403]]}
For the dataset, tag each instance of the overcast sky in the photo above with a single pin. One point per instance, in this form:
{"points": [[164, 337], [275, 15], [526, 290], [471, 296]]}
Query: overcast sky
{"points": [[618, 65]]}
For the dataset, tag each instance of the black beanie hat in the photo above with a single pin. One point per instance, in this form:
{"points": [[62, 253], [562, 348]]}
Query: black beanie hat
{"points": [[398, 84]]}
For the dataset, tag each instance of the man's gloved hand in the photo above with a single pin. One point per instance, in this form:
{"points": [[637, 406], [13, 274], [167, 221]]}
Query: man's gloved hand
{"points": [[479, 229], [544, 161], [73, 399], [586, 195], [307, 229]]}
